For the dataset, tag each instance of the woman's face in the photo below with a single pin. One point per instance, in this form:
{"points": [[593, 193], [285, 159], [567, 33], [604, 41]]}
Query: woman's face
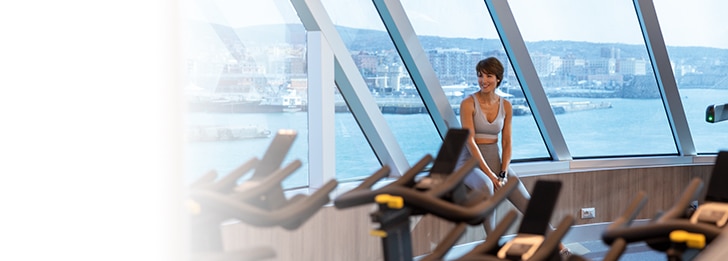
{"points": [[487, 81]]}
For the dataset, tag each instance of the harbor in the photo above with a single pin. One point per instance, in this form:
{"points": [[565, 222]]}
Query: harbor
{"points": [[201, 133], [290, 100], [520, 108], [386, 106], [560, 107]]}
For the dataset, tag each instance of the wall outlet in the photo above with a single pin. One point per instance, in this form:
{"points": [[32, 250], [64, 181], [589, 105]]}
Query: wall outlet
{"points": [[587, 213]]}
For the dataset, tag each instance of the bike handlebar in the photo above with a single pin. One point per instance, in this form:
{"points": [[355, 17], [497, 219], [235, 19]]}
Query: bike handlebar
{"points": [[629, 215], [660, 230], [661, 227], [691, 193], [428, 201], [544, 252], [290, 216], [251, 189], [227, 183]]}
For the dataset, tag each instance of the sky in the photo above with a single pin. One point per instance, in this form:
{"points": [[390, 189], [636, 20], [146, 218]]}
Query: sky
{"points": [[684, 23]]}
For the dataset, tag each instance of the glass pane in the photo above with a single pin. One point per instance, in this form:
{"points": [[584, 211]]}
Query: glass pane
{"points": [[593, 63], [700, 63], [372, 49], [246, 79], [355, 159], [458, 34]]}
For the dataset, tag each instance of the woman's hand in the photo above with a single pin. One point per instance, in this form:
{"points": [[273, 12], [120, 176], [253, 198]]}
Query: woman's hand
{"points": [[496, 182]]}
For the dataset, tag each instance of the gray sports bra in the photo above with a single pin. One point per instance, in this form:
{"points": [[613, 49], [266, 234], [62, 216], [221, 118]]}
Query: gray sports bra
{"points": [[483, 128]]}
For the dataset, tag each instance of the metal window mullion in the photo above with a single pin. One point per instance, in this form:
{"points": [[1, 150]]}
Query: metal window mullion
{"points": [[518, 54], [321, 117], [415, 60], [353, 88], [660, 59]]}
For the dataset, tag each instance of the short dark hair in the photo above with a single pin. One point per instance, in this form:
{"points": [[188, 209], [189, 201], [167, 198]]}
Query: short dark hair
{"points": [[491, 65]]}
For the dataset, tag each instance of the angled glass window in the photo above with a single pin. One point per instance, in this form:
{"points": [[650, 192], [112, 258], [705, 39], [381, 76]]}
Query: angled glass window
{"points": [[380, 65], [455, 36], [697, 43], [594, 66], [354, 157], [245, 80]]}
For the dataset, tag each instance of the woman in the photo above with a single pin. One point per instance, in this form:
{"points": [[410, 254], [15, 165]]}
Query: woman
{"points": [[486, 115]]}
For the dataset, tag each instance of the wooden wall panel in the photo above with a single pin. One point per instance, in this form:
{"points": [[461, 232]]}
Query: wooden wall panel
{"points": [[334, 234], [331, 234], [609, 191]]}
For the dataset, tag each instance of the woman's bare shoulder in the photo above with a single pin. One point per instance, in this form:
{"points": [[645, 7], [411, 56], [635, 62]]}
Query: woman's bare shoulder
{"points": [[468, 99], [507, 103]]}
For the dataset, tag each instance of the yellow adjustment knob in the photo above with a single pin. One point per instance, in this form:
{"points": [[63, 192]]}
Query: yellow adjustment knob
{"points": [[193, 207], [692, 240], [378, 233], [382, 198], [391, 201]]}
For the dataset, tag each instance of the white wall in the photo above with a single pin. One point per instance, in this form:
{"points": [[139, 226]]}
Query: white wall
{"points": [[90, 138]]}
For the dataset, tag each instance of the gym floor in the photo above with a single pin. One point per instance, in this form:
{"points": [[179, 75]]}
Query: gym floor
{"points": [[596, 250], [591, 250]]}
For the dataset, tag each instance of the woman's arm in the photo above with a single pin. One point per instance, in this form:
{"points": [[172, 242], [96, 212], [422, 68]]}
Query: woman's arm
{"points": [[506, 136], [467, 113]]}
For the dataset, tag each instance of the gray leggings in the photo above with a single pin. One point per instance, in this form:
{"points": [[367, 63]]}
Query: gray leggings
{"points": [[477, 180]]}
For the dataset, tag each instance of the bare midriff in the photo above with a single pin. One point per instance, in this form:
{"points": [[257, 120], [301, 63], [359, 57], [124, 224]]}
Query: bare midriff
{"points": [[485, 141]]}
